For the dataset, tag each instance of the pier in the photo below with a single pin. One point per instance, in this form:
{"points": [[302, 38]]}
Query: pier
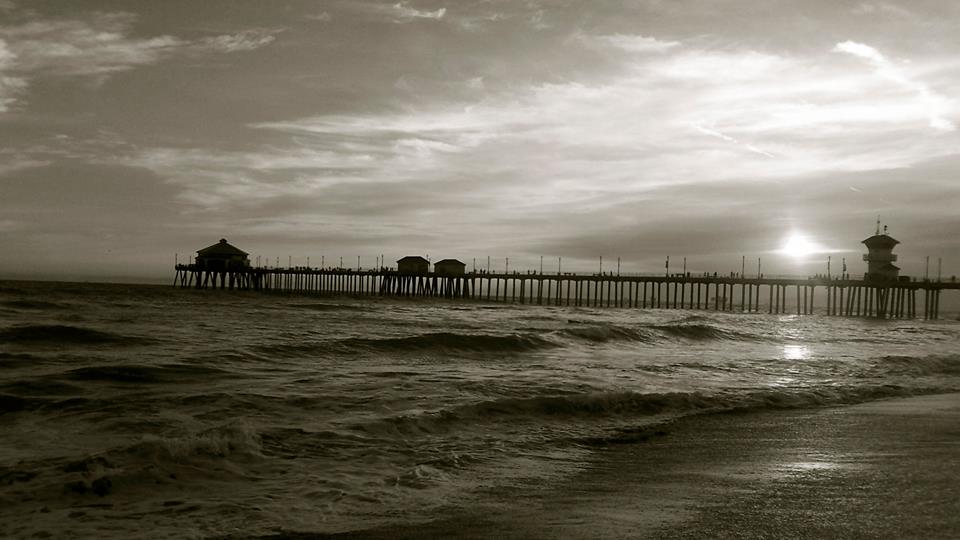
{"points": [[893, 299]]}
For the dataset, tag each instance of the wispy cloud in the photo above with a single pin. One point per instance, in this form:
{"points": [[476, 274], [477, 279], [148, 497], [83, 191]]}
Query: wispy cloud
{"points": [[636, 43], [405, 13], [681, 116], [881, 8], [721, 136], [323, 16], [96, 46], [10, 86], [83, 47], [934, 103], [241, 41]]}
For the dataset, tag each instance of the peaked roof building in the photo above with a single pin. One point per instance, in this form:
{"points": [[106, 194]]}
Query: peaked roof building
{"points": [[221, 249]]}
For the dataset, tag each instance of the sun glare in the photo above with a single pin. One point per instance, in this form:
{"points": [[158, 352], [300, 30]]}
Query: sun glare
{"points": [[798, 246]]}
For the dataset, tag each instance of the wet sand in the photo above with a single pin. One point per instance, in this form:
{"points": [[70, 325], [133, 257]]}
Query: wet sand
{"points": [[888, 469]]}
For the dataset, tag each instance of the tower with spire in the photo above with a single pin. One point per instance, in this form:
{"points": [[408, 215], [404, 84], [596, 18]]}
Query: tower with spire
{"points": [[880, 257]]}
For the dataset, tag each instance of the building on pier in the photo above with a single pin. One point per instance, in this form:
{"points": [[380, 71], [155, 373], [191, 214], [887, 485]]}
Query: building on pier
{"points": [[449, 267], [880, 258], [413, 264], [222, 257]]}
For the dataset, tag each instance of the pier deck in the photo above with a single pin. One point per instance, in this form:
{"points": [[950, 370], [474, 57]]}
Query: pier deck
{"points": [[835, 297]]}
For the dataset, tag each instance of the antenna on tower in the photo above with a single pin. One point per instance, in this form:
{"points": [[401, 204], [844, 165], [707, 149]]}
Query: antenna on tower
{"points": [[878, 224]]}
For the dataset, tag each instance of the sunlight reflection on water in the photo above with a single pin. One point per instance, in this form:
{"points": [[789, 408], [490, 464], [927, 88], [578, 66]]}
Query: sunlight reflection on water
{"points": [[796, 352]]}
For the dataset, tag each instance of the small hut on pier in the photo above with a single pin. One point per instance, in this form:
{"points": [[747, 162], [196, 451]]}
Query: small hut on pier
{"points": [[449, 267], [413, 264], [222, 257]]}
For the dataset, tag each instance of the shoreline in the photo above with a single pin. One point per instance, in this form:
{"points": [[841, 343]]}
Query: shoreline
{"points": [[882, 469]]}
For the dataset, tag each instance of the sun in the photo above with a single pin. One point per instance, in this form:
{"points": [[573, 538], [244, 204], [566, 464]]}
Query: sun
{"points": [[798, 246]]}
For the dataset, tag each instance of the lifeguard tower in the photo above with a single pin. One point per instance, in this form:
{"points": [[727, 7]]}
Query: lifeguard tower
{"points": [[880, 258]]}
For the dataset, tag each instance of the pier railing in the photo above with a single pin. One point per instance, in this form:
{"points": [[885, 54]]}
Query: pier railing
{"points": [[732, 293]]}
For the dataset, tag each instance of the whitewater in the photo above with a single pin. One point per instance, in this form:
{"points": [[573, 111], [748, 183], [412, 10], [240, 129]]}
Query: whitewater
{"points": [[148, 411]]}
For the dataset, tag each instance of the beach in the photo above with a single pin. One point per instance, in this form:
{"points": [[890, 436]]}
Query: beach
{"points": [[885, 469]]}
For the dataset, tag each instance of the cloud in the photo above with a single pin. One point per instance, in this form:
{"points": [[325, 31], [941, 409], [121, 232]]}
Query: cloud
{"points": [[881, 8], [680, 117], [10, 87], [323, 16], [564, 145], [636, 43], [96, 46], [935, 104], [241, 41], [721, 136], [406, 13], [83, 47]]}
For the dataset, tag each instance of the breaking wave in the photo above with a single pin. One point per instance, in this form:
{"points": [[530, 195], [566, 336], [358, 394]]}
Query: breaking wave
{"points": [[605, 333], [625, 405], [701, 332]]}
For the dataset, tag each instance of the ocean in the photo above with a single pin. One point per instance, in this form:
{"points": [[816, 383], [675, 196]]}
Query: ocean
{"points": [[154, 412]]}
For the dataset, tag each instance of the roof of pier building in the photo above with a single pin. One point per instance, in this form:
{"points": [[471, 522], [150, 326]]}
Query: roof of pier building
{"points": [[880, 241], [449, 262], [221, 249], [410, 259]]}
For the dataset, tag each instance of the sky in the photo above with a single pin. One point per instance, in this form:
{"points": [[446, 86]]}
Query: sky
{"points": [[133, 133]]}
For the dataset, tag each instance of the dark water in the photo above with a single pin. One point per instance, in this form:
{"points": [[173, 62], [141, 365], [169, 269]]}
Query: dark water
{"points": [[153, 412]]}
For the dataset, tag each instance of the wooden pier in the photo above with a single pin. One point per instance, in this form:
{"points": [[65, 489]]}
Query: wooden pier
{"points": [[834, 297]]}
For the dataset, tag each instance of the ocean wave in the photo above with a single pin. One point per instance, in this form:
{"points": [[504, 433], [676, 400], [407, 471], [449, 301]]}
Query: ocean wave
{"points": [[439, 341], [32, 304], [319, 306], [144, 374], [12, 404], [16, 359], [605, 333], [40, 387], [60, 334], [701, 332], [920, 365], [624, 405], [602, 333], [453, 341], [217, 442]]}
